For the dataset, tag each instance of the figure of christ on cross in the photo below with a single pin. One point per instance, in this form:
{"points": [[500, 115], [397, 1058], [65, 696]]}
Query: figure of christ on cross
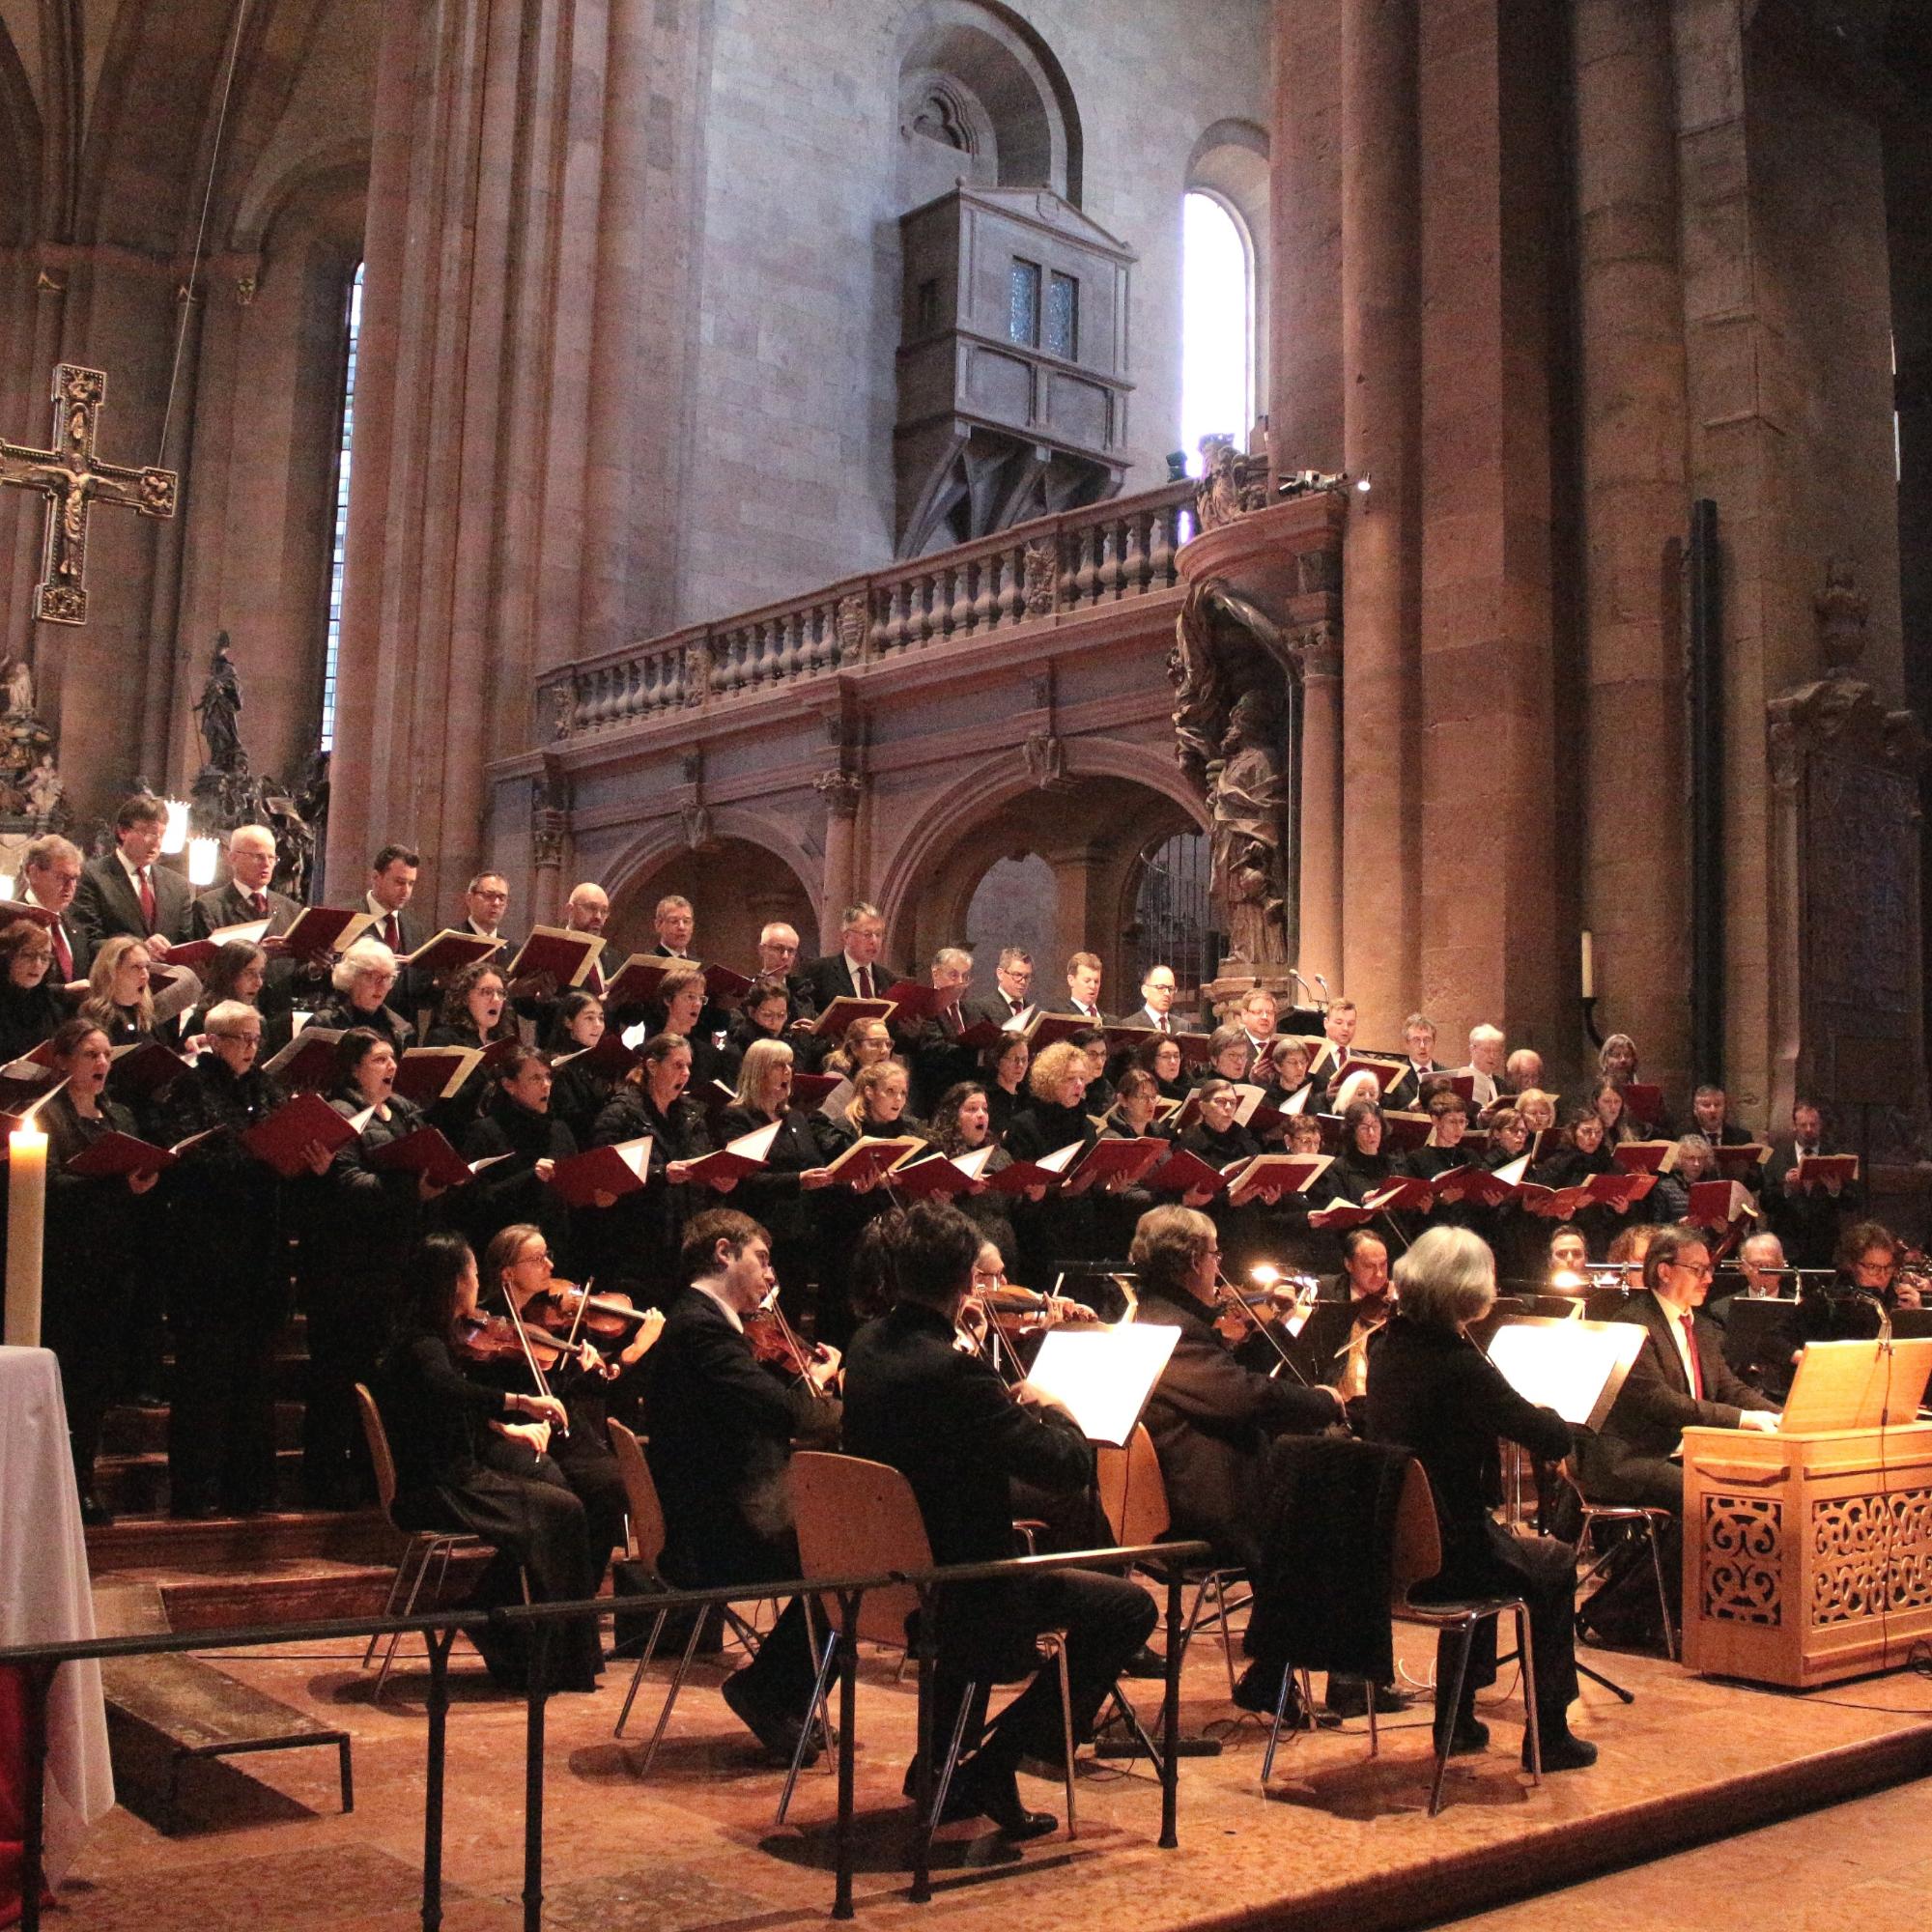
{"points": [[71, 479]]}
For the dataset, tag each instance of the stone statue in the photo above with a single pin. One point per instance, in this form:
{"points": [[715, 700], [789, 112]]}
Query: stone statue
{"points": [[1231, 668], [27, 769], [43, 788], [19, 681], [221, 707]]}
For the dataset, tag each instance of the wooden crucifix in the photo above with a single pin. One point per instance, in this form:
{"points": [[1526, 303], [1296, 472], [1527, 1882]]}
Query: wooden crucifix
{"points": [[70, 477]]}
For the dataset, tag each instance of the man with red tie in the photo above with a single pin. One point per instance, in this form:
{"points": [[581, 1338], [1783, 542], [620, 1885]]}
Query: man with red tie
{"points": [[246, 899], [127, 893], [854, 972], [51, 871], [1014, 994], [1156, 1007], [392, 883], [1680, 1379]]}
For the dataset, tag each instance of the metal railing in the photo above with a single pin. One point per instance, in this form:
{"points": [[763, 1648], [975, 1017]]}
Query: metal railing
{"points": [[37, 1665], [1035, 572]]}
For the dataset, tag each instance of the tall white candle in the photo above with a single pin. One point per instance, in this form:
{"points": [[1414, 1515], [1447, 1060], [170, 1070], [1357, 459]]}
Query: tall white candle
{"points": [[26, 1226], [1589, 964]]}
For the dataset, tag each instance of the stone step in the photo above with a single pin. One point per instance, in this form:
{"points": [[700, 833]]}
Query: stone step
{"points": [[144, 1431], [138, 1484], [237, 1546]]}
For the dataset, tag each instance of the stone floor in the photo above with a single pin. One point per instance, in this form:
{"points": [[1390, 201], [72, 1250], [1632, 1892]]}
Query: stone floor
{"points": [[1340, 1840], [1863, 1862]]}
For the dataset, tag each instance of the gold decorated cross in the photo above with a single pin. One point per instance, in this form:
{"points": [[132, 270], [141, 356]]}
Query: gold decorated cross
{"points": [[70, 478]]}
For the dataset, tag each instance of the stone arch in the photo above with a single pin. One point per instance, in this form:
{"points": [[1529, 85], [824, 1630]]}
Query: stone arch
{"points": [[982, 95], [1230, 162], [1092, 827], [769, 872]]}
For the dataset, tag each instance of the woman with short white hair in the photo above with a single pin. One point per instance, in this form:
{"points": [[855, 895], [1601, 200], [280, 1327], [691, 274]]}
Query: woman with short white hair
{"points": [[1434, 1392], [361, 979]]}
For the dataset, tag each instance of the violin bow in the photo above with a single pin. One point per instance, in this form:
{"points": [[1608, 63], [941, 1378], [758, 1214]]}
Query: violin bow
{"points": [[529, 1353]]}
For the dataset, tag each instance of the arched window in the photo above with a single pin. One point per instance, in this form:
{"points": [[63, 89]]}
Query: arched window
{"points": [[1217, 325], [339, 544]]}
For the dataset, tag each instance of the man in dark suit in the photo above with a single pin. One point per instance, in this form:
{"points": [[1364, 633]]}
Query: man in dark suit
{"points": [[938, 1060], [1679, 1380], [1012, 992], [962, 1437], [721, 1433], [1418, 1034], [485, 900], [1808, 1220], [1156, 1007], [392, 885], [1083, 988], [127, 893], [855, 972], [247, 898], [50, 875]]}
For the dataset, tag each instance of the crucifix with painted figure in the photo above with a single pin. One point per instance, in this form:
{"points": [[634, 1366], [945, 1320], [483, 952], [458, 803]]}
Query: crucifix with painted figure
{"points": [[73, 478]]}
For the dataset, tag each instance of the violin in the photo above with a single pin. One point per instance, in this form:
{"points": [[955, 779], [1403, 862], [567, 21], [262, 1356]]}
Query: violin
{"points": [[613, 1318], [1014, 1311], [484, 1339], [776, 1341]]}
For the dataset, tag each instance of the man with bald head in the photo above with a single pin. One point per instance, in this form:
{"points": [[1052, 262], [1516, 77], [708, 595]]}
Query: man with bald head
{"points": [[248, 897], [588, 910], [777, 959]]}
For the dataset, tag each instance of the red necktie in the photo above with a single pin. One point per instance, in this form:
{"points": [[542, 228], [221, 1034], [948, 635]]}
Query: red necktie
{"points": [[260, 901], [1162, 1023], [864, 976], [1691, 1342], [146, 899], [392, 936], [1018, 1010], [63, 954]]}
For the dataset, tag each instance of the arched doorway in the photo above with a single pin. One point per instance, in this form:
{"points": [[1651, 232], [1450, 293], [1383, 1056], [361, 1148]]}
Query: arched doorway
{"points": [[1056, 871], [736, 886]]}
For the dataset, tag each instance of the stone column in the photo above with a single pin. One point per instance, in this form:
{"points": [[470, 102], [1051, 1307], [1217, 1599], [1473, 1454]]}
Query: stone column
{"points": [[472, 410], [1322, 795], [842, 791], [1380, 935], [1635, 508]]}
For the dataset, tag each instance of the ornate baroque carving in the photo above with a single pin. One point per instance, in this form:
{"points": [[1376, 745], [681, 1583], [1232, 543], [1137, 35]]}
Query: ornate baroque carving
{"points": [[1871, 1556], [1844, 611], [1744, 1560], [1039, 584], [1230, 485], [854, 620], [1045, 755]]}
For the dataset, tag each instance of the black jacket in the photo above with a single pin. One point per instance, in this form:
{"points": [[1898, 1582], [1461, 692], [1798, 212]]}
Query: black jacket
{"points": [[359, 1224], [721, 1427], [30, 1015], [948, 1423], [107, 906], [336, 1015], [1211, 1421], [1655, 1405], [510, 1191], [633, 1246], [772, 1194], [223, 1205]]}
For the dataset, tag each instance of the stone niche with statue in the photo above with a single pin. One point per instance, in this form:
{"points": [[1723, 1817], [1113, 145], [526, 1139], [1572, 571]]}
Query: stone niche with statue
{"points": [[31, 799]]}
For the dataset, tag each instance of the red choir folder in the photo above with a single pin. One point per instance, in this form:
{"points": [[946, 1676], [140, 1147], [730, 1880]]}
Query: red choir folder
{"points": [[144, 1068], [307, 1064], [723, 982], [1718, 1204], [1643, 1102], [610, 1058], [564, 956], [940, 1177], [1817, 1170], [844, 1010], [1386, 1068], [1620, 1190], [1131, 1160], [448, 952], [1405, 1194], [1340, 1215], [1048, 1171], [808, 1089], [1742, 1160], [913, 1001], [636, 983], [620, 1169], [319, 930], [1472, 1183], [1555, 1204], [1404, 1133], [116, 1153], [424, 1150], [284, 1138], [1645, 1157], [1279, 1173], [1186, 1172], [1050, 1029], [869, 1156], [12, 909], [739, 1157], [194, 953]]}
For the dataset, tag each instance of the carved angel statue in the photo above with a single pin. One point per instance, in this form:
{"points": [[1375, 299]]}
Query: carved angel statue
{"points": [[19, 680], [1249, 800], [43, 788]]}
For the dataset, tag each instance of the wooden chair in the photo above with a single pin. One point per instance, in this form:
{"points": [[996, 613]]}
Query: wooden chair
{"points": [[421, 1548], [856, 1518], [645, 1512], [1415, 1557], [1133, 1496]]}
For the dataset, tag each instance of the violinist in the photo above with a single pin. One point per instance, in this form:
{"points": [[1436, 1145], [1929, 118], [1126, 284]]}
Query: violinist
{"points": [[475, 1014], [721, 1434], [444, 1431], [577, 1094], [1364, 1285], [633, 1246], [95, 1239], [358, 1225], [229, 1295], [1211, 1417], [516, 1120], [516, 1274]]}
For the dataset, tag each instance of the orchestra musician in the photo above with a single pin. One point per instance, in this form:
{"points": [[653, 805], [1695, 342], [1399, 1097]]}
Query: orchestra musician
{"points": [[946, 1420], [722, 1426], [442, 1429], [1433, 1391]]}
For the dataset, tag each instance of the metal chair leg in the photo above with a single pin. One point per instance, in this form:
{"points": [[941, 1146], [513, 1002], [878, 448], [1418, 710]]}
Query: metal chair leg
{"points": [[1067, 1730], [390, 1602], [945, 1784], [1375, 1738], [643, 1664], [671, 1695], [1274, 1729], [1455, 1706], [819, 1685], [1663, 1594]]}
